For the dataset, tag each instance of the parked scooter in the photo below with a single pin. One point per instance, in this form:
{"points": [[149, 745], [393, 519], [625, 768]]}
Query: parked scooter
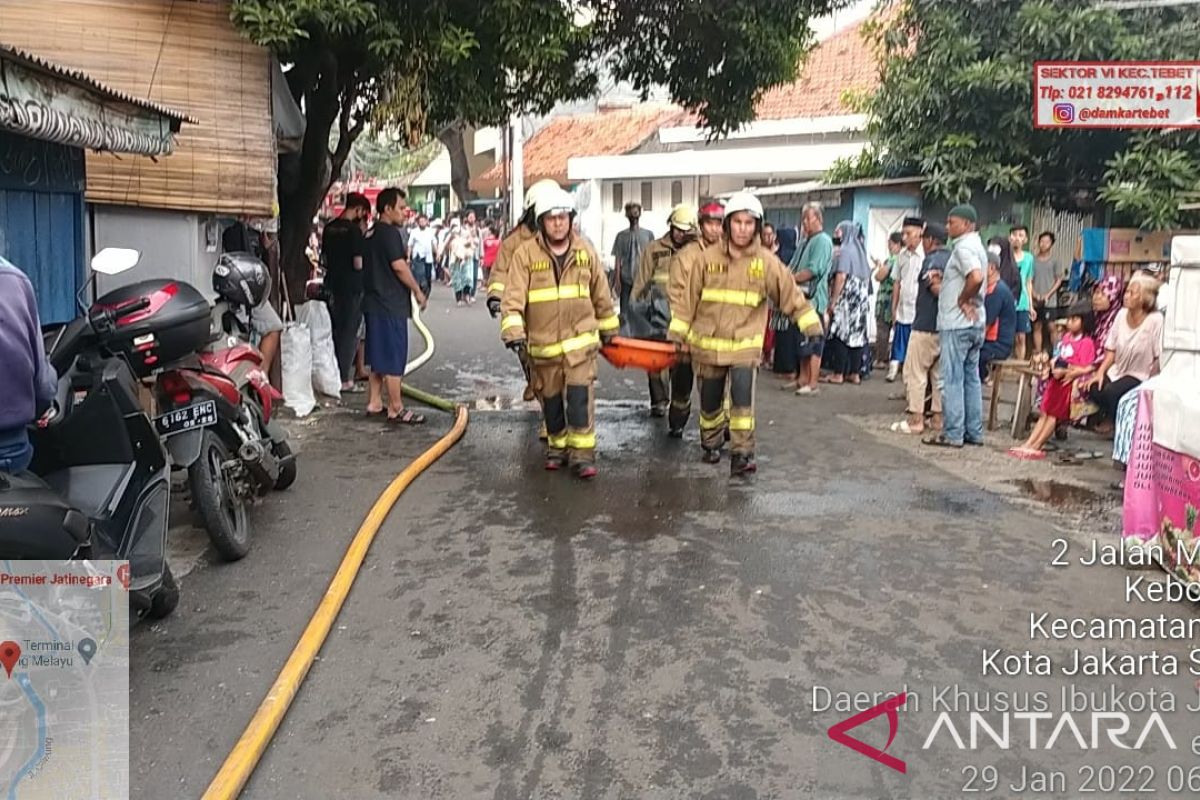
{"points": [[98, 487], [214, 399]]}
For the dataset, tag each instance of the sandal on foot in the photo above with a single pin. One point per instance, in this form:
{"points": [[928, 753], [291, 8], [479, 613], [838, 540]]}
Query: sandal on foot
{"points": [[407, 418], [903, 427], [941, 441]]}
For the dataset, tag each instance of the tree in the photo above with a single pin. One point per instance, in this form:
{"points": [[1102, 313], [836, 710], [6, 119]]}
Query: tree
{"points": [[426, 68], [955, 104]]}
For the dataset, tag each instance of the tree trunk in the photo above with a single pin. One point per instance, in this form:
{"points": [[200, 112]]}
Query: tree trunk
{"points": [[300, 199], [460, 168]]}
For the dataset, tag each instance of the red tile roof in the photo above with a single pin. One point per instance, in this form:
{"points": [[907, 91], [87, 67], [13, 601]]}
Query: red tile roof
{"points": [[841, 62], [600, 134]]}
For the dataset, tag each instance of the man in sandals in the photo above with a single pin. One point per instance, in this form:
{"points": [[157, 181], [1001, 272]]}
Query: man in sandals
{"points": [[960, 331], [387, 304]]}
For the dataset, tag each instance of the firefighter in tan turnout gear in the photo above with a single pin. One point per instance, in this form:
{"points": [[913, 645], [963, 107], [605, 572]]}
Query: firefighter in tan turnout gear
{"points": [[525, 230], [721, 317], [557, 308], [653, 275], [682, 375]]}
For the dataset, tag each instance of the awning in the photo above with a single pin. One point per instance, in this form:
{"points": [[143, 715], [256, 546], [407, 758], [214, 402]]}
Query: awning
{"points": [[48, 102]]}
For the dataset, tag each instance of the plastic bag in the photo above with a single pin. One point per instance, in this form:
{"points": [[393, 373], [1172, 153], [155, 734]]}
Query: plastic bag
{"points": [[326, 378], [648, 317], [297, 366]]}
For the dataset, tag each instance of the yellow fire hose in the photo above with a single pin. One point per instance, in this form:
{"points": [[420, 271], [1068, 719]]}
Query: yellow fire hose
{"points": [[244, 757]]}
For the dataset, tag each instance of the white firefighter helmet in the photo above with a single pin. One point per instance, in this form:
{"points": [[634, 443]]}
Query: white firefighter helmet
{"points": [[553, 201], [535, 191], [743, 201]]}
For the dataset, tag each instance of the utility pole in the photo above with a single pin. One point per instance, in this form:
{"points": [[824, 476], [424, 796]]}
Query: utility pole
{"points": [[516, 166]]}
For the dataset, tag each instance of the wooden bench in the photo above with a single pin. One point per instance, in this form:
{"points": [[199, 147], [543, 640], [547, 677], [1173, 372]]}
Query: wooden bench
{"points": [[1018, 373]]}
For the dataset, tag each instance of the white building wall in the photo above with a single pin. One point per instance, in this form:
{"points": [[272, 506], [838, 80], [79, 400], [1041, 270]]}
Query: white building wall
{"points": [[657, 196], [173, 244]]}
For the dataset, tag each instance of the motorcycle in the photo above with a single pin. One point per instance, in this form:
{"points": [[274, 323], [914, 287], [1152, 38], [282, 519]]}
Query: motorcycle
{"points": [[98, 486], [214, 407]]}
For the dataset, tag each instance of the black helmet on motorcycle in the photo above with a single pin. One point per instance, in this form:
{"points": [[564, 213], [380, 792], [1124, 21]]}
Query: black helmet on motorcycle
{"points": [[241, 279]]}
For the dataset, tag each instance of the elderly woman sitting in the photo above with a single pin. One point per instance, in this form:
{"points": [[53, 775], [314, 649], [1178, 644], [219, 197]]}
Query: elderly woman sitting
{"points": [[1132, 347]]}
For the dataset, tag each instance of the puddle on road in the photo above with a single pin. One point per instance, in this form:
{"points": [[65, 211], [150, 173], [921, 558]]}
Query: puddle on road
{"points": [[1060, 495]]}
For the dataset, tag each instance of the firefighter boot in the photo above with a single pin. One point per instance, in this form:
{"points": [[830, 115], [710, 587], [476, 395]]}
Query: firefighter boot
{"points": [[714, 421], [681, 399]]}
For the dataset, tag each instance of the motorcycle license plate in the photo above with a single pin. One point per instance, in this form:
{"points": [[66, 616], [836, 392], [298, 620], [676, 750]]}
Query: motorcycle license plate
{"points": [[197, 415]]}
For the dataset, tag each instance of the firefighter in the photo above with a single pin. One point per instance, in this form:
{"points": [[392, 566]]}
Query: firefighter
{"points": [[556, 309], [525, 230], [651, 280], [682, 376], [721, 317]]}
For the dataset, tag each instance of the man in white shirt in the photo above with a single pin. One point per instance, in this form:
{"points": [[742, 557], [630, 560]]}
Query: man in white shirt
{"points": [[420, 248], [905, 275]]}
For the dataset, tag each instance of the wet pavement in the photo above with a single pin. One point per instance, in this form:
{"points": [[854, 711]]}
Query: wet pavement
{"points": [[655, 634]]}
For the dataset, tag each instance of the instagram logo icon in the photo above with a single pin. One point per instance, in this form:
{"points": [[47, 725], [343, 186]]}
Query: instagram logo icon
{"points": [[1064, 113]]}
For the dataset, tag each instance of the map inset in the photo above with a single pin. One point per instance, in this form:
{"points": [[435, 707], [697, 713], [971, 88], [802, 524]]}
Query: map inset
{"points": [[64, 680]]}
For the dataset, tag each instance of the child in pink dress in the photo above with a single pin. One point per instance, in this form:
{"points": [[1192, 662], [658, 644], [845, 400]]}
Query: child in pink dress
{"points": [[1074, 358]]}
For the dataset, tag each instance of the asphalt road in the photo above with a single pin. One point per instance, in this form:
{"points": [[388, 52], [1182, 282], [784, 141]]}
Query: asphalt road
{"points": [[654, 634]]}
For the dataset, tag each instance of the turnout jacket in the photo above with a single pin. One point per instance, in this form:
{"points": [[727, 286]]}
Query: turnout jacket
{"points": [[499, 274], [721, 312], [560, 315], [655, 267]]}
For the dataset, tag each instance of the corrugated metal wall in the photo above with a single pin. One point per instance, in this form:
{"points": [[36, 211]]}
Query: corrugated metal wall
{"points": [[1067, 227]]}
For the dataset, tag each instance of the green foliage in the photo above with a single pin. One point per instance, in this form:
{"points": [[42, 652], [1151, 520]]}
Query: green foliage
{"points": [[1147, 181], [866, 164], [955, 102], [421, 66]]}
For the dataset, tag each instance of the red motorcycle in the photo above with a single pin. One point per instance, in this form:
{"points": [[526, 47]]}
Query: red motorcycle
{"points": [[214, 401]]}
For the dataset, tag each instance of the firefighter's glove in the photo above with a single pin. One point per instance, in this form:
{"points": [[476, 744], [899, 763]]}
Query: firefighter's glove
{"points": [[606, 337], [518, 346], [493, 306]]}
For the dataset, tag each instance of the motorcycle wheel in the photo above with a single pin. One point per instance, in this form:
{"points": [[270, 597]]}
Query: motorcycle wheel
{"points": [[223, 512], [166, 598], [287, 473]]}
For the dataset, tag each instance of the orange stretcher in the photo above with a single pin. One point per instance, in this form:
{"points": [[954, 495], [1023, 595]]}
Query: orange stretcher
{"points": [[645, 354]]}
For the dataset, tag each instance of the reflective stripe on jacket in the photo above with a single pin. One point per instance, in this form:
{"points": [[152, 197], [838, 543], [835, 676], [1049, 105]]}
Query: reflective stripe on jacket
{"points": [[560, 317], [721, 311], [499, 274]]}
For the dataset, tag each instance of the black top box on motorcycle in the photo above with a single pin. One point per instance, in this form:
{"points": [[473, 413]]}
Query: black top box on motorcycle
{"points": [[176, 323]]}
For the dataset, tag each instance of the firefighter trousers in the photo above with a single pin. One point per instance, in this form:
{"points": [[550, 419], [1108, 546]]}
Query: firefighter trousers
{"points": [[739, 382], [682, 379], [568, 408], [659, 389]]}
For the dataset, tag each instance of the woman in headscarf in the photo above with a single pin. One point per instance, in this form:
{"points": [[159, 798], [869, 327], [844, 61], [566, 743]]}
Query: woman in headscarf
{"points": [[850, 299], [1106, 304], [1009, 272]]}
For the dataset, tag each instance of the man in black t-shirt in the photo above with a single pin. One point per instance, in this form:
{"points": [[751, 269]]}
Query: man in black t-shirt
{"points": [[389, 289], [342, 255]]}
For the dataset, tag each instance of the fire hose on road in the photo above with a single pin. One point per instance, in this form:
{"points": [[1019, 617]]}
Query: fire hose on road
{"points": [[238, 766]]}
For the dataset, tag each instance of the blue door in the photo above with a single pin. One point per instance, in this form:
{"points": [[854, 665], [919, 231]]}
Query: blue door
{"points": [[41, 219]]}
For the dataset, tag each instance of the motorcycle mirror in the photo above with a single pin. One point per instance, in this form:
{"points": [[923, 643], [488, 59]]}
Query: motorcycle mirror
{"points": [[115, 260]]}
